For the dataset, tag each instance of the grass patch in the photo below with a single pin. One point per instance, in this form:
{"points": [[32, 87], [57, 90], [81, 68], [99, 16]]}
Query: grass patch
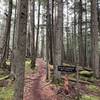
{"points": [[58, 82], [87, 97], [93, 88], [86, 73], [28, 66], [28, 63], [6, 93]]}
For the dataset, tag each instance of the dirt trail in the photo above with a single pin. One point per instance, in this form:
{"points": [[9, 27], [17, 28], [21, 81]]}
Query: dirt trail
{"points": [[36, 87]]}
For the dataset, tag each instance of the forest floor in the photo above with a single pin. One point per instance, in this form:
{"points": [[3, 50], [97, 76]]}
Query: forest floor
{"points": [[37, 88]]}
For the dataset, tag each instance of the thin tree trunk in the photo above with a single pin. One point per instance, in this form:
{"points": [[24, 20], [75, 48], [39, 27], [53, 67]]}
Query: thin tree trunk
{"points": [[42, 43], [50, 38], [81, 49], [85, 51], [8, 27], [12, 55], [33, 50], [98, 11], [52, 31], [67, 36], [7, 34], [75, 58], [38, 27], [47, 40]]}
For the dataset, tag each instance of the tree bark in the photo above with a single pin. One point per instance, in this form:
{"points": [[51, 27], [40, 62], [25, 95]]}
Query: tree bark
{"points": [[58, 40], [47, 40], [7, 35], [33, 50], [12, 55], [20, 48], [85, 47], [81, 48], [38, 27], [94, 39]]}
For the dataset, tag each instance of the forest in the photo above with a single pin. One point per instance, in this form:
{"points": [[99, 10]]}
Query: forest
{"points": [[49, 49]]}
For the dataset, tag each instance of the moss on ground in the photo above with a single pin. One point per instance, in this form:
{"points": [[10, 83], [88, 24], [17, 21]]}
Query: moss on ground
{"points": [[86, 73], [28, 66], [93, 88], [87, 97], [6, 93]]}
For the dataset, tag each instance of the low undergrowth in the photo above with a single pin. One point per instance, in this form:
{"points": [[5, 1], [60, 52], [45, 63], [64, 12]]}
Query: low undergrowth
{"points": [[6, 93], [89, 97]]}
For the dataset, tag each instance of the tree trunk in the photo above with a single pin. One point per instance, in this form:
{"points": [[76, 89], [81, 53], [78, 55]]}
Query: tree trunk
{"points": [[58, 40], [94, 37], [33, 50], [75, 43], [28, 53], [12, 55], [8, 27], [7, 34], [42, 43], [47, 40], [20, 48], [98, 11], [38, 27], [67, 36], [85, 47], [81, 48], [52, 32]]}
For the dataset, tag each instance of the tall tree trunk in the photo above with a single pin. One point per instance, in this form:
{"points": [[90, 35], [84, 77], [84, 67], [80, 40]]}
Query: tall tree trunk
{"points": [[94, 37], [98, 11], [42, 43], [72, 45], [85, 47], [51, 39], [75, 58], [8, 27], [20, 48], [81, 48], [7, 33], [58, 39], [33, 50], [47, 40], [52, 32], [12, 56], [38, 27], [67, 35], [28, 53]]}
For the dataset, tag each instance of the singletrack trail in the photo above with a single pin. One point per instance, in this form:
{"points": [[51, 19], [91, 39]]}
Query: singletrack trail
{"points": [[36, 87]]}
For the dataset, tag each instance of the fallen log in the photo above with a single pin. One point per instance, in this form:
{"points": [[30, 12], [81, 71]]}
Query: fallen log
{"points": [[3, 81], [80, 81], [5, 77]]}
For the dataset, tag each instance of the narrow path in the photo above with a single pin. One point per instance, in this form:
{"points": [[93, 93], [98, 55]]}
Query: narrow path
{"points": [[36, 87]]}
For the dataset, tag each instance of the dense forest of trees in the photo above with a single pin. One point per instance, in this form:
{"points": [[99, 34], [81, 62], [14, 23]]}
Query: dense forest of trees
{"points": [[59, 31]]}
